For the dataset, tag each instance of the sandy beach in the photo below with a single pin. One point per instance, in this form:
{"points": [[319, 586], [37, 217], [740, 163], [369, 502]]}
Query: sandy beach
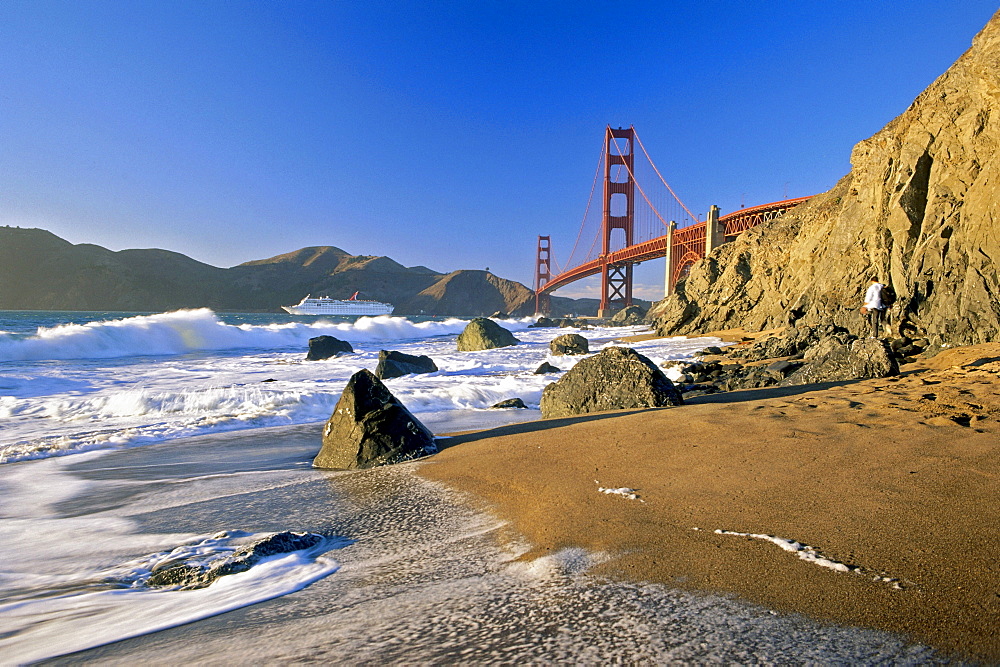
{"points": [[890, 488]]}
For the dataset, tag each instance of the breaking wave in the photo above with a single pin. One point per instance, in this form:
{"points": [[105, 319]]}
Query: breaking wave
{"points": [[185, 331]]}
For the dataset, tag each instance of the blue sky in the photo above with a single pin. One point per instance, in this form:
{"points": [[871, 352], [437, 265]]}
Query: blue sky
{"points": [[447, 134]]}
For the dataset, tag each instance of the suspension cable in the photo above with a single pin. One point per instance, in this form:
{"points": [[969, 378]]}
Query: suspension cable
{"points": [[632, 176], [590, 200], [663, 180]]}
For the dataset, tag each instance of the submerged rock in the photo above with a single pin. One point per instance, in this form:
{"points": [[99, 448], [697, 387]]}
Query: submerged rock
{"points": [[546, 368], [193, 575], [617, 378], [369, 427], [569, 344], [324, 347], [392, 364], [510, 403], [484, 334]]}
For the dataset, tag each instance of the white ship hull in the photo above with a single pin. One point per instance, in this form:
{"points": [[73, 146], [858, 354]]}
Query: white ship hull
{"points": [[327, 306]]}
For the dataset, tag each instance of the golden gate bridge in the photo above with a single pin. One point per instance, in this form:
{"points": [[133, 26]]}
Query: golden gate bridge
{"points": [[640, 218]]}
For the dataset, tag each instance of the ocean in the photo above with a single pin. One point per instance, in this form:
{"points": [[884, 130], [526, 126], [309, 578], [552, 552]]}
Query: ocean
{"points": [[128, 440]]}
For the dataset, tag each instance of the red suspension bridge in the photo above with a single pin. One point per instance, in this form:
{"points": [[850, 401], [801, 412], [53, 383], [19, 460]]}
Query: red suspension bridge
{"points": [[641, 219]]}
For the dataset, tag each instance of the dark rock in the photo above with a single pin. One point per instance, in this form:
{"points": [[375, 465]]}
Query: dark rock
{"points": [[691, 391], [791, 343], [709, 350], [499, 315], [392, 364], [324, 347], [628, 316], [569, 344], [484, 334], [617, 378], [780, 369], [510, 403], [192, 576], [834, 361], [546, 367], [543, 322], [369, 427], [898, 343]]}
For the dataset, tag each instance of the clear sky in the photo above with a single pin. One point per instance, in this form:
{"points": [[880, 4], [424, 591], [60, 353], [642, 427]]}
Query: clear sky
{"points": [[447, 134]]}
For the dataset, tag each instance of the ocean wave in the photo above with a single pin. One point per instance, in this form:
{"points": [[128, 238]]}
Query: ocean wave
{"points": [[185, 331]]}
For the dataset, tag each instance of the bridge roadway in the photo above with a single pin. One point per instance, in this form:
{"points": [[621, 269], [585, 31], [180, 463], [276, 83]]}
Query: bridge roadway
{"points": [[732, 225]]}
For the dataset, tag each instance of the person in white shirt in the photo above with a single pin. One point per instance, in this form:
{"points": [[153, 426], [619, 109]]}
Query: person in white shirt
{"points": [[874, 307]]}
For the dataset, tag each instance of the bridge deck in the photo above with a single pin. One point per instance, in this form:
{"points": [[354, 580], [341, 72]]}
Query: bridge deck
{"points": [[688, 244]]}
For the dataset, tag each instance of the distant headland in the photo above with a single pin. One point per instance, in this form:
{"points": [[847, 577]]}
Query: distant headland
{"points": [[41, 271]]}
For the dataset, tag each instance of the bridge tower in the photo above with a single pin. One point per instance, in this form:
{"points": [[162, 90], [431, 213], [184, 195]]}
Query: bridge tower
{"points": [[543, 273], [619, 213]]}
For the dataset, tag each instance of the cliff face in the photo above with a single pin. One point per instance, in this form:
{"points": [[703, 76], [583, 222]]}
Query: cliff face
{"points": [[919, 209]]}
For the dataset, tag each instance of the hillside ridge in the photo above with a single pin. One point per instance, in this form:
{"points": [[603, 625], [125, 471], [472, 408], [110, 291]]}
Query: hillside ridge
{"points": [[41, 271]]}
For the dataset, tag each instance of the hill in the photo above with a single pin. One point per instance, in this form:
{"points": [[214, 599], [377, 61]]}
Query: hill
{"points": [[919, 209], [40, 271]]}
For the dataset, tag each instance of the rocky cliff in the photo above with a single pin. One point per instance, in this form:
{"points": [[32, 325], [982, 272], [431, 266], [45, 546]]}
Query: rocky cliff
{"points": [[919, 209]]}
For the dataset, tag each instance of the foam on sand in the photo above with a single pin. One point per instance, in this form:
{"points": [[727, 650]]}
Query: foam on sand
{"points": [[624, 492], [812, 555]]}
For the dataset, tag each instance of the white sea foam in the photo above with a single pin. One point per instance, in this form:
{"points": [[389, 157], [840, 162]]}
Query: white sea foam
{"points": [[812, 555], [40, 628], [424, 581], [803, 551], [184, 331], [624, 492], [145, 379]]}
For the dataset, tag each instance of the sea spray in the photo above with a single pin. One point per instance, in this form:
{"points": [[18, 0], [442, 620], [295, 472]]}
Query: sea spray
{"points": [[128, 381], [199, 330]]}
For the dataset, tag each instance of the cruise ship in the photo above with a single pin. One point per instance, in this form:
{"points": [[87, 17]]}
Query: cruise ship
{"points": [[324, 305]]}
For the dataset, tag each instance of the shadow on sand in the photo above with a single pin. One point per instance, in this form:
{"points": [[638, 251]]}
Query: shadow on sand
{"points": [[739, 396]]}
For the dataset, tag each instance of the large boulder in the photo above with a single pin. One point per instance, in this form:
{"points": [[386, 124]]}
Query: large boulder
{"points": [[834, 361], [324, 347], [369, 427], [569, 344], [618, 378], [628, 316], [484, 334], [392, 364]]}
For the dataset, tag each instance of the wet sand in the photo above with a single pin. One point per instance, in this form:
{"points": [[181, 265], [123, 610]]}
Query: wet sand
{"points": [[898, 478]]}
